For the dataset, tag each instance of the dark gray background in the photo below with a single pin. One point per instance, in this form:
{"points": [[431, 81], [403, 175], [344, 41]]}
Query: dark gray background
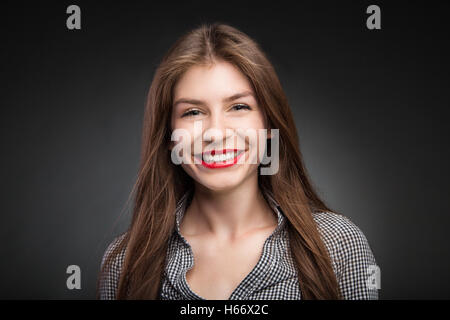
{"points": [[370, 106]]}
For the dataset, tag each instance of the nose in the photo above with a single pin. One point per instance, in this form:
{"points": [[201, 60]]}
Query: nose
{"points": [[216, 121], [215, 128]]}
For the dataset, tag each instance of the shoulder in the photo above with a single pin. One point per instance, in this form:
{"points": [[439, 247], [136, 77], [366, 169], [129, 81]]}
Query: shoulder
{"points": [[338, 229], [110, 274], [112, 247], [351, 255]]}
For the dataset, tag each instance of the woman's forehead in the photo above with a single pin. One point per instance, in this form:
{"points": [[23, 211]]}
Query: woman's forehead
{"points": [[217, 81]]}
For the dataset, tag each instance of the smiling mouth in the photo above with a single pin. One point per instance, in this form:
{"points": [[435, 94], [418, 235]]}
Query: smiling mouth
{"points": [[220, 158]]}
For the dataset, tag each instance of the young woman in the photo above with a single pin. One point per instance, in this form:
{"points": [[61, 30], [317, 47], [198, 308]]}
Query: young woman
{"points": [[218, 228]]}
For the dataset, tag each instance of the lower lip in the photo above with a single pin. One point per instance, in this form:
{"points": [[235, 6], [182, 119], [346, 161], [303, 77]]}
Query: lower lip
{"points": [[222, 164]]}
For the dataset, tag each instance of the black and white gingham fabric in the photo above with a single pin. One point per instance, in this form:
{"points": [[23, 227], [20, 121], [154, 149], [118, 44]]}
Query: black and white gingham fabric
{"points": [[274, 277]]}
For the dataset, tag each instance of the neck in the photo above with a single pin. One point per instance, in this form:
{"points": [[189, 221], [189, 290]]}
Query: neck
{"points": [[228, 214]]}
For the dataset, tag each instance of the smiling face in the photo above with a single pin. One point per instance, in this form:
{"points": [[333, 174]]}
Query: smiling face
{"points": [[221, 100]]}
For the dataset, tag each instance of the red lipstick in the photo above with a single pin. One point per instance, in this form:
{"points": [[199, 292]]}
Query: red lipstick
{"points": [[214, 159]]}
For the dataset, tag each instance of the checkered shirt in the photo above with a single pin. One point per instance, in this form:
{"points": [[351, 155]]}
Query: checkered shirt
{"points": [[274, 277]]}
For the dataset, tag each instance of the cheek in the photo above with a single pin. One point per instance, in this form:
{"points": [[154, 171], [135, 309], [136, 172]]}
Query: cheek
{"points": [[253, 121], [181, 143], [183, 128], [175, 124], [256, 123]]}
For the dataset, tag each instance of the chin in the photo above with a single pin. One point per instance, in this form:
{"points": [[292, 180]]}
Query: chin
{"points": [[220, 187], [220, 181]]}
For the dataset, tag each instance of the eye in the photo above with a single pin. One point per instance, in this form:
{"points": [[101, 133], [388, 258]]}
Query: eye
{"points": [[192, 112], [241, 106]]}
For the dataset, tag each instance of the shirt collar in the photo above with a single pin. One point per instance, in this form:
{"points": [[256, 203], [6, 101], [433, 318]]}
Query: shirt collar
{"points": [[187, 197]]}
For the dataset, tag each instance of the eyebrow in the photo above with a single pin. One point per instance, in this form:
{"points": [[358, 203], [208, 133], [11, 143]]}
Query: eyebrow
{"points": [[228, 99]]}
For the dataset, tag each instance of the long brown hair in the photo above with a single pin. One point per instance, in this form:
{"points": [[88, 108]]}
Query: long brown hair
{"points": [[160, 183]]}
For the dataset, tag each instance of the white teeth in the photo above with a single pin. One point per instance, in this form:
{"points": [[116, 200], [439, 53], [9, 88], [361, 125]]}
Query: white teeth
{"points": [[220, 157]]}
